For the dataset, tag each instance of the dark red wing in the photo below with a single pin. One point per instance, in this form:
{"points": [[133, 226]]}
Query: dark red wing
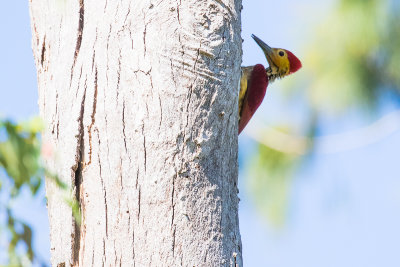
{"points": [[257, 88]]}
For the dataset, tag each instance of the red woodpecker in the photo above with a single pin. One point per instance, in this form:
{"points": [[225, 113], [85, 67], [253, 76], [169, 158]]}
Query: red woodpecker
{"points": [[254, 79]]}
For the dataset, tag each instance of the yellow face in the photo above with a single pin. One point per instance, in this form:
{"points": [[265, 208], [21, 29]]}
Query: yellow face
{"points": [[277, 58], [278, 61]]}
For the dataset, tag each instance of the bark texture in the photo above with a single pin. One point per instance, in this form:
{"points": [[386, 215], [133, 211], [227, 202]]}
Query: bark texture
{"points": [[140, 101]]}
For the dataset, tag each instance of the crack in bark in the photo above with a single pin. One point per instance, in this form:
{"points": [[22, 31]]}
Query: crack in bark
{"points": [[173, 215], [80, 76], [59, 36], [56, 114], [133, 239], [139, 199], [103, 188], [144, 33], [123, 123], [79, 36], [104, 252], [177, 11], [115, 254], [119, 72], [127, 13], [93, 117], [151, 78], [137, 179], [173, 242], [234, 259], [105, 196], [108, 42], [161, 112], [77, 179], [58, 125], [172, 200], [144, 147], [173, 74], [106, 126], [93, 257], [42, 56], [94, 54], [105, 6], [35, 29], [119, 68]]}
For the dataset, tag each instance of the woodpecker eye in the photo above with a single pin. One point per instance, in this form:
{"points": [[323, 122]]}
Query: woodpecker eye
{"points": [[281, 53]]}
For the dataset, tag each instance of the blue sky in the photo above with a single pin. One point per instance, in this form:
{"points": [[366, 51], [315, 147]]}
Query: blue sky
{"points": [[344, 207]]}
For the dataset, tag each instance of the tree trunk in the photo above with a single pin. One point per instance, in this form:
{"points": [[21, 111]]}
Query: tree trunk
{"points": [[140, 102]]}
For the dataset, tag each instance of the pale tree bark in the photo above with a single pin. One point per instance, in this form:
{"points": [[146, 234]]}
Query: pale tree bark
{"points": [[140, 102]]}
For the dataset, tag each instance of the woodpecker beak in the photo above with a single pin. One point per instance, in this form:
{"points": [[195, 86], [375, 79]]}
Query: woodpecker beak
{"points": [[266, 49]]}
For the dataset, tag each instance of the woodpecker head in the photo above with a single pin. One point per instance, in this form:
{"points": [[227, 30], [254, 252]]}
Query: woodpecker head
{"points": [[281, 61]]}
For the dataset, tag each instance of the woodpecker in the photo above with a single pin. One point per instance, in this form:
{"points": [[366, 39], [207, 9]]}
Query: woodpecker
{"points": [[255, 79]]}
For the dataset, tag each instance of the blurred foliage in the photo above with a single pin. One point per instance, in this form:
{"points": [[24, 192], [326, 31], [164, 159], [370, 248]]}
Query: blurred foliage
{"points": [[20, 158], [355, 56], [351, 61], [19, 154], [271, 173]]}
